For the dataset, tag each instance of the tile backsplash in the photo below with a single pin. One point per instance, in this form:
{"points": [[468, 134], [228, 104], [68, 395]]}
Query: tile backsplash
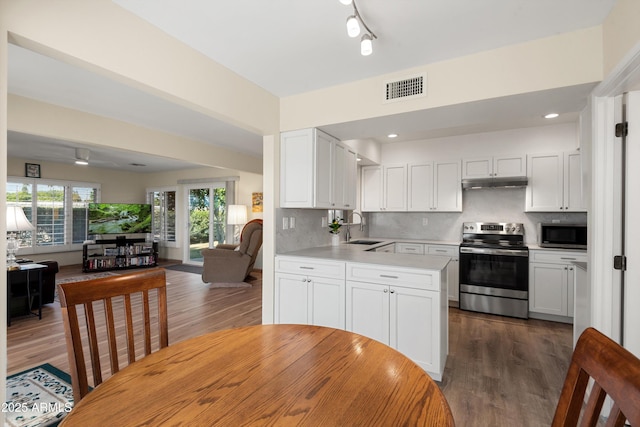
{"points": [[484, 205]]}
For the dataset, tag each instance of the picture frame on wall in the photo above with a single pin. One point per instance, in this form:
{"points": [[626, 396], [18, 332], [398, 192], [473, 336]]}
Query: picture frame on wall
{"points": [[256, 202], [32, 170]]}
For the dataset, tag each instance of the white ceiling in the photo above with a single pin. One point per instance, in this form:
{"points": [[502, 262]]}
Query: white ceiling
{"points": [[294, 46]]}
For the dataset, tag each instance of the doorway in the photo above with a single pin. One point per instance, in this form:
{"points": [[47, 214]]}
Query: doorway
{"points": [[206, 219]]}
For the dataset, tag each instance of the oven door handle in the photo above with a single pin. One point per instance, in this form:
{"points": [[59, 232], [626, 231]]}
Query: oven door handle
{"points": [[492, 251]]}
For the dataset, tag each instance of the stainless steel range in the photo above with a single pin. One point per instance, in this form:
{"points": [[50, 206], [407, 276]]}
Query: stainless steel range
{"points": [[494, 269]]}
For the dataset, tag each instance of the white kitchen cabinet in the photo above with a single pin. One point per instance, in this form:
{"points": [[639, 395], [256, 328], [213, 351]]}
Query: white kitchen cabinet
{"points": [[453, 269], [551, 283], [316, 171], [384, 188], [310, 292], [494, 167], [409, 248], [403, 308], [555, 183], [434, 186]]}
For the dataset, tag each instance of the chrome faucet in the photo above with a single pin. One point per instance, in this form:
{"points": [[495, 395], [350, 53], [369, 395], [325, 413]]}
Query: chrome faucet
{"points": [[348, 233]]}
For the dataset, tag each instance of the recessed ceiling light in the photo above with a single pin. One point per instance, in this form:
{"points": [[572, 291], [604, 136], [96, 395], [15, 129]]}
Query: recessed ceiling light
{"points": [[551, 115], [392, 135], [82, 162], [358, 159]]}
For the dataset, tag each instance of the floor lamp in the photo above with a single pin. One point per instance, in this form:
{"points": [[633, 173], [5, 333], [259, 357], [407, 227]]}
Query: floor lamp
{"points": [[236, 215], [16, 222]]}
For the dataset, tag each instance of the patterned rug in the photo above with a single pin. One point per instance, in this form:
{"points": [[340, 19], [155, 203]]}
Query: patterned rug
{"points": [[84, 277], [40, 396]]}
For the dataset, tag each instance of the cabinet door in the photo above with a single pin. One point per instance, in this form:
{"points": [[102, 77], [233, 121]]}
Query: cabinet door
{"points": [[477, 168], [545, 189], [573, 194], [415, 326], [371, 189], [571, 286], [420, 197], [506, 166], [395, 188], [453, 279], [350, 181], [447, 193], [368, 310], [297, 157], [548, 288], [324, 170], [291, 299], [327, 302]]}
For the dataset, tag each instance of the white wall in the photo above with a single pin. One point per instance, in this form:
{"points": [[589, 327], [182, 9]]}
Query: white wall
{"points": [[561, 137]]}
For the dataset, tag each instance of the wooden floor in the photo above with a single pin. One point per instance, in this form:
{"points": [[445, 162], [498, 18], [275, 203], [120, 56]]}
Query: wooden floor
{"points": [[499, 372]]}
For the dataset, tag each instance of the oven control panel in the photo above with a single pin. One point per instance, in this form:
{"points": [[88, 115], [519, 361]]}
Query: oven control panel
{"points": [[493, 228]]}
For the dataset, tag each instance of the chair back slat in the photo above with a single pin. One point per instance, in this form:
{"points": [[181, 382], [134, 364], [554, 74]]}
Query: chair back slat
{"points": [[111, 336], [615, 373], [113, 331], [131, 348], [147, 323]]}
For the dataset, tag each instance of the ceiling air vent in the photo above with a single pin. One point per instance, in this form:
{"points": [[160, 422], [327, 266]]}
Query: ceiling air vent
{"points": [[411, 87]]}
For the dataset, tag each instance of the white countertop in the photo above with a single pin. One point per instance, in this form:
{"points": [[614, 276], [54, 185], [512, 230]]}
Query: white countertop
{"points": [[359, 253]]}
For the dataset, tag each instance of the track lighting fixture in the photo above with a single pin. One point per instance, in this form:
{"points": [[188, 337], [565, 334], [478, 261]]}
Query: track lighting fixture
{"points": [[353, 26], [353, 29], [366, 45]]}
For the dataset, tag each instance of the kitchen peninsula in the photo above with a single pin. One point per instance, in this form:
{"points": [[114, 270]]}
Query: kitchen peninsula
{"points": [[395, 298]]}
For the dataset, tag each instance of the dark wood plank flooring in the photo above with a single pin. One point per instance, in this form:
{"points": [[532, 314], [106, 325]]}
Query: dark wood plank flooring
{"points": [[499, 372]]}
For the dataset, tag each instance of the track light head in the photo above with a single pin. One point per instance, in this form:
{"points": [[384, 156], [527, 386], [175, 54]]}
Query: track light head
{"points": [[353, 26], [366, 45], [346, 2]]}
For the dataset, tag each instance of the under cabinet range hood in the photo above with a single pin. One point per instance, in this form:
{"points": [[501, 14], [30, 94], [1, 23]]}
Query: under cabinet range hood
{"points": [[501, 182]]}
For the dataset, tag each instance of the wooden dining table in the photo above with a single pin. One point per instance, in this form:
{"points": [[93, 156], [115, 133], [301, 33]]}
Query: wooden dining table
{"points": [[268, 375]]}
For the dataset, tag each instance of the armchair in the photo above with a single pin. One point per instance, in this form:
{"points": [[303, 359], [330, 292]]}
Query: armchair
{"points": [[233, 263]]}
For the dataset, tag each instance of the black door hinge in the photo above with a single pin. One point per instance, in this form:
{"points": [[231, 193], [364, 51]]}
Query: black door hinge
{"points": [[622, 129], [620, 262]]}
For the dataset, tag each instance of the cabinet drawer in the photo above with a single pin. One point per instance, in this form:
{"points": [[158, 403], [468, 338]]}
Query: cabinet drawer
{"points": [[387, 275], [557, 257], [390, 248], [409, 248], [451, 251], [310, 267]]}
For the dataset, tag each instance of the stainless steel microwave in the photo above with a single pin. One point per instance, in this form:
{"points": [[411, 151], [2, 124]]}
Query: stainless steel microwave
{"points": [[562, 235]]}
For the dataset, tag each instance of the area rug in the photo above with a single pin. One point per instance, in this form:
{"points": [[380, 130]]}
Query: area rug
{"points": [[39, 396], [229, 285], [195, 269], [83, 277]]}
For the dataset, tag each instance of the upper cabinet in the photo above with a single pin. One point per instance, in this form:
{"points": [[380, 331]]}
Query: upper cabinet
{"points": [[494, 167], [384, 188], [435, 186], [423, 187], [555, 183], [316, 171]]}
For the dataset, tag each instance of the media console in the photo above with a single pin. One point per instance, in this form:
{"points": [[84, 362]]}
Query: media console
{"points": [[117, 254]]}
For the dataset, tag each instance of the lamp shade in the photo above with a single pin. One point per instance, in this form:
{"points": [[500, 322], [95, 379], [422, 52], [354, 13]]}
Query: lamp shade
{"points": [[17, 220], [236, 214]]}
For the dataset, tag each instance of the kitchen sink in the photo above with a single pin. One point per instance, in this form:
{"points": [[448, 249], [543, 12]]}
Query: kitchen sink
{"points": [[363, 242]]}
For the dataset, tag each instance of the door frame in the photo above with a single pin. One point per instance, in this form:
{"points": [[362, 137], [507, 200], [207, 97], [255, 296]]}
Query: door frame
{"points": [[186, 259], [604, 281]]}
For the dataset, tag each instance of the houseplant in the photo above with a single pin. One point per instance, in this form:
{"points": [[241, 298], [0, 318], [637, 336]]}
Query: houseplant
{"points": [[334, 229]]}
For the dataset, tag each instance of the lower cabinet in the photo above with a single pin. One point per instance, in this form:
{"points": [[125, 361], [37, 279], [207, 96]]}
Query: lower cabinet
{"points": [[393, 306], [315, 298], [551, 283], [310, 300]]}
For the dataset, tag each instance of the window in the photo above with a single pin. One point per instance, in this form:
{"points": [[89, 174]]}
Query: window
{"points": [[163, 201], [57, 209]]}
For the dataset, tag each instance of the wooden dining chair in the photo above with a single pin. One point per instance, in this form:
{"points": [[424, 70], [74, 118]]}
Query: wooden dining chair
{"points": [[614, 372], [122, 320]]}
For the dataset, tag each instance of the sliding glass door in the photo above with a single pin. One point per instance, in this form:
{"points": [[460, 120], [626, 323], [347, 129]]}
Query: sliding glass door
{"points": [[206, 213]]}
